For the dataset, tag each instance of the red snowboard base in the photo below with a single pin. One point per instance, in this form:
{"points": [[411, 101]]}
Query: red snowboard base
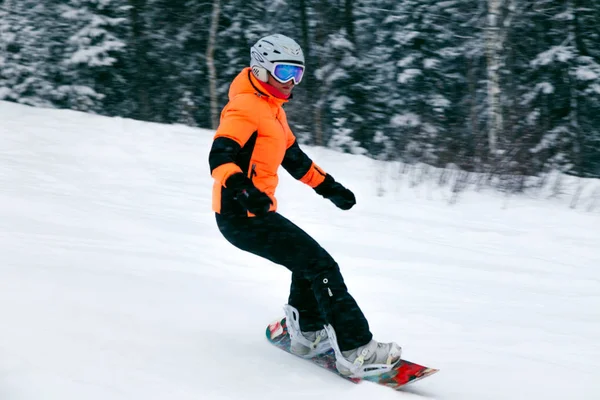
{"points": [[404, 373]]}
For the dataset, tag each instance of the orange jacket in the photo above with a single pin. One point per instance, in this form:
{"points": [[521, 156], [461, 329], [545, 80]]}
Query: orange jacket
{"points": [[254, 138]]}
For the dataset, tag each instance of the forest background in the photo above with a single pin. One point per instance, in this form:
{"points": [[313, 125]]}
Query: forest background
{"points": [[504, 89]]}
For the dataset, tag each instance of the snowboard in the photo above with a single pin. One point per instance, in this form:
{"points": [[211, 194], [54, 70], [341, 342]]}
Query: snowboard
{"points": [[404, 373]]}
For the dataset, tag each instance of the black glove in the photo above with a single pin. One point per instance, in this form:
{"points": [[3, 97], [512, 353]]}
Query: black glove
{"points": [[252, 199], [340, 196]]}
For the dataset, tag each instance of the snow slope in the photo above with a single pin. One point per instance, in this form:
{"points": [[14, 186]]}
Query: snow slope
{"points": [[116, 284]]}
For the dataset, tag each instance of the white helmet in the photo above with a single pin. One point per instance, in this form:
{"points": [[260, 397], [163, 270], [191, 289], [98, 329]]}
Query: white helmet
{"points": [[278, 55]]}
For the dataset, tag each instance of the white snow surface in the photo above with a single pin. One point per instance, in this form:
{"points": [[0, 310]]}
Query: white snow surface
{"points": [[115, 282]]}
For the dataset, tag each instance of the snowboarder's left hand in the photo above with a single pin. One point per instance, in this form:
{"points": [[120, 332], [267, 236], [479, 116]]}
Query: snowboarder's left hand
{"points": [[252, 199], [338, 194]]}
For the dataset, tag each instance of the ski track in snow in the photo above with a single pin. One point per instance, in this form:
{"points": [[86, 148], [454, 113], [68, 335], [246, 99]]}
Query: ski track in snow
{"points": [[116, 284]]}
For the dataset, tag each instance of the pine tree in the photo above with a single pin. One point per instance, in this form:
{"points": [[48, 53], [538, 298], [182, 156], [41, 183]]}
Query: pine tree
{"points": [[585, 78], [94, 55], [427, 84], [557, 77], [26, 73], [342, 93]]}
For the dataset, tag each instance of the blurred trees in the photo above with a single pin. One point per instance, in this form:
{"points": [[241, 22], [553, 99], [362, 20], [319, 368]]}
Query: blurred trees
{"points": [[500, 86]]}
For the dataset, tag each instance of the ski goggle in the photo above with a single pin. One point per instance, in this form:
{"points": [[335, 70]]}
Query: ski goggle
{"points": [[284, 73]]}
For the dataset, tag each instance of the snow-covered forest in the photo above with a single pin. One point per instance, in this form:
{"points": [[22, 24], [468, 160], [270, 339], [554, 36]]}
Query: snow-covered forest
{"points": [[502, 87]]}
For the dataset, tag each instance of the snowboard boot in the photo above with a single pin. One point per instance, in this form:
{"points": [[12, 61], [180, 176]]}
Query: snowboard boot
{"points": [[373, 358], [304, 344]]}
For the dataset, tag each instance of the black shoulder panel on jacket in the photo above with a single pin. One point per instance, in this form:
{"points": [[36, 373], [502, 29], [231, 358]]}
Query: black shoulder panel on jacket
{"points": [[296, 162]]}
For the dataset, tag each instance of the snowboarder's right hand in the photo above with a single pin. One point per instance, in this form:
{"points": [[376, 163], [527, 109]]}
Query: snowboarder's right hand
{"points": [[252, 199]]}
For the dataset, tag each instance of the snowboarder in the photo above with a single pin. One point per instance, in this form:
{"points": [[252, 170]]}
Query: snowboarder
{"points": [[253, 139]]}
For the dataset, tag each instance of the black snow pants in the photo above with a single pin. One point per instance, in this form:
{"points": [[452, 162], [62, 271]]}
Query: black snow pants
{"points": [[317, 291]]}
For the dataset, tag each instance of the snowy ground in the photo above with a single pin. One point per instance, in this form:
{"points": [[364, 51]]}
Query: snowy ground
{"points": [[115, 283]]}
